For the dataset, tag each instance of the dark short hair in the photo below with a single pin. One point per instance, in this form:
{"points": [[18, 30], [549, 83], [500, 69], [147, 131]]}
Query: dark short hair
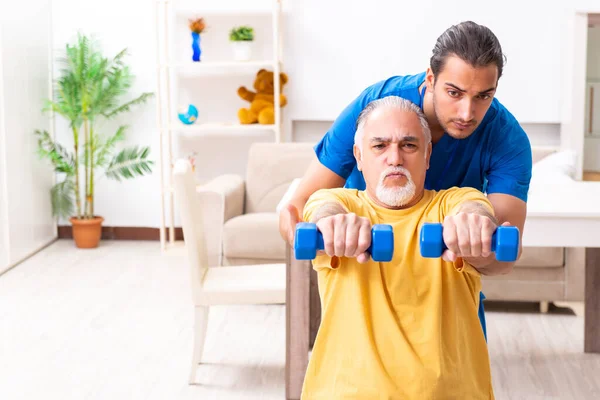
{"points": [[473, 43]]}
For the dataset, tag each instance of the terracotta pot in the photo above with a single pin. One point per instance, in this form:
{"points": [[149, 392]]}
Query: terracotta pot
{"points": [[87, 232]]}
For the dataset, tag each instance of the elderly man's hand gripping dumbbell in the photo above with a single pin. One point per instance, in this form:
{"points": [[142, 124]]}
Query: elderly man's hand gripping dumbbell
{"points": [[470, 235], [344, 235]]}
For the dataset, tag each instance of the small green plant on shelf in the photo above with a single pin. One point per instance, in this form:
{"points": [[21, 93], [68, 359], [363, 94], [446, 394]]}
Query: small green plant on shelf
{"points": [[241, 34], [241, 38]]}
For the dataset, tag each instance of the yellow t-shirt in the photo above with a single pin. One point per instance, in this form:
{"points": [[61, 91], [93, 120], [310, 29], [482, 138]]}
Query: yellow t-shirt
{"points": [[407, 329]]}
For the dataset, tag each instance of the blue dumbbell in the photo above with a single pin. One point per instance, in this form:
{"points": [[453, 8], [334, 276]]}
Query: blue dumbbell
{"points": [[505, 242], [309, 239]]}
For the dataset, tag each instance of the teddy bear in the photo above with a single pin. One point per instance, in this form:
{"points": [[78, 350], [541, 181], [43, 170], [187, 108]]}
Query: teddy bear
{"points": [[262, 101]]}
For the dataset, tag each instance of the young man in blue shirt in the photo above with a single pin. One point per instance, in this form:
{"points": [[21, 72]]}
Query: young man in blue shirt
{"points": [[476, 141]]}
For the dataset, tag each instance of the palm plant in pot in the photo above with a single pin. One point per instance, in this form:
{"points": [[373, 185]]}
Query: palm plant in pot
{"points": [[88, 93]]}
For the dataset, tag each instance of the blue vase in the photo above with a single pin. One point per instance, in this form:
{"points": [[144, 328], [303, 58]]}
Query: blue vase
{"points": [[196, 46]]}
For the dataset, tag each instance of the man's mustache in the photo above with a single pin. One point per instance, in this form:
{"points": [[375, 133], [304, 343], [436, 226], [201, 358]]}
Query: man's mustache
{"points": [[395, 170]]}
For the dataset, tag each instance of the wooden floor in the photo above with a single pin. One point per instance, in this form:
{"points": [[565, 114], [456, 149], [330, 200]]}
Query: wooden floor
{"points": [[116, 323]]}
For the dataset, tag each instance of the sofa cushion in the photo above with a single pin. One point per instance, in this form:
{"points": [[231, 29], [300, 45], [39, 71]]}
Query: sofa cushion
{"points": [[542, 257], [556, 166], [254, 235]]}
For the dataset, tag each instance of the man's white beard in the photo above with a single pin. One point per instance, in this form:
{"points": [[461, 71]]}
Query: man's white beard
{"points": [[396, 196]]}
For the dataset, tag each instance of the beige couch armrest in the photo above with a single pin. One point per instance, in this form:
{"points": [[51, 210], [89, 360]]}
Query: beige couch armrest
{"points": [[231, 187]]}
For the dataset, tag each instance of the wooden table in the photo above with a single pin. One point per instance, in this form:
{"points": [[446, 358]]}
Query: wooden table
{"points": [[566, 215]]}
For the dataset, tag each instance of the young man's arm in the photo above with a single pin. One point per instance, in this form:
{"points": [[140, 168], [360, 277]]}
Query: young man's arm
{"points": [[509, 210], [508, 184], [333, 163], [316, 177]]}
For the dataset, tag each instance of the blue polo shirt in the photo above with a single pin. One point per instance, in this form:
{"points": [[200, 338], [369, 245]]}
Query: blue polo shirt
{"points": [[496, 158]]}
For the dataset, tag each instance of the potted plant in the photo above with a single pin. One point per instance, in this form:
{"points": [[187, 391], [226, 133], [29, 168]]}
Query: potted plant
{"points": [[197, 26], [241, 39], [87, 93]]}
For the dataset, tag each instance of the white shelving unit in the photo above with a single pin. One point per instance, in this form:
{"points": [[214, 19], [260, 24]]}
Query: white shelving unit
{"points": [[174, 62]]}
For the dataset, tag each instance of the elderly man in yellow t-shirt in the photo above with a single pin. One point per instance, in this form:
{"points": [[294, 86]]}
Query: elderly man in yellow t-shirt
{"points": [[406, 329]]}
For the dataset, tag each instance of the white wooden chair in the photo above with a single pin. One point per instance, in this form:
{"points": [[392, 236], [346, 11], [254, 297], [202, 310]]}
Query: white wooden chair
{"points": [[249, 284]]}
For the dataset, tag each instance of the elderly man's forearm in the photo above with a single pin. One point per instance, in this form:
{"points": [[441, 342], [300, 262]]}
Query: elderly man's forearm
{"points": [[327, 210], [476, 207]]}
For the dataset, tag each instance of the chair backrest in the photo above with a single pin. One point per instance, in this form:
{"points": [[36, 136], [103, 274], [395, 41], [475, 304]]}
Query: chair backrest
{"points": [[190, 208], [271, 169]]}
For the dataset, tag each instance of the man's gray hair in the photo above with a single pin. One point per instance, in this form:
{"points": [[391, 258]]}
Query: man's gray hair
{"points": [[393, 102]]}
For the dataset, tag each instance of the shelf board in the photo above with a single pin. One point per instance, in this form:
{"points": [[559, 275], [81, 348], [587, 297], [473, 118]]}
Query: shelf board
{"points": [[217, 127], [236, 8], [221, 67], [191, 12]]}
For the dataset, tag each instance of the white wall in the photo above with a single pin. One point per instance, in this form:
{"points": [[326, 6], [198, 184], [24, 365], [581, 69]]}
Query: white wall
{"points": [[4, 243], [380, 38], [26, 222], [326, 72]]}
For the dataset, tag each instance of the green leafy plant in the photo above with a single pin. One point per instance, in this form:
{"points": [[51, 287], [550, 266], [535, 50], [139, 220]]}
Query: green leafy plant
{"points": [[241, 33], [87, 93]]}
